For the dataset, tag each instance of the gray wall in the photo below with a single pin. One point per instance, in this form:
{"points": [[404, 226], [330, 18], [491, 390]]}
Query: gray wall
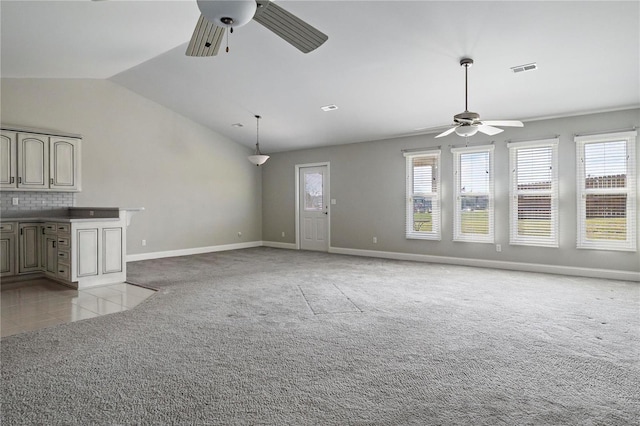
{"points": [[197, 187], [368, 183]]}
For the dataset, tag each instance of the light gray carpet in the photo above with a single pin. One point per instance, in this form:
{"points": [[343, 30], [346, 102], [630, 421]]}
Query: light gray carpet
{"points": [[268, 336]]}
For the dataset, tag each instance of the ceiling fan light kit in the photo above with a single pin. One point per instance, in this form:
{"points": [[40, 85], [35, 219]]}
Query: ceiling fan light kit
{"points": [[466, 130], [468, 123]]}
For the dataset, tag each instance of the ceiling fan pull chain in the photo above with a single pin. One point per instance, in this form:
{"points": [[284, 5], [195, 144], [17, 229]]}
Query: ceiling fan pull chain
{"points": [[230, 31]]}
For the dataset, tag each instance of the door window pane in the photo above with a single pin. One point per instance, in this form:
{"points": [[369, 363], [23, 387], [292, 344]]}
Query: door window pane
{"points": [[313, 192]]}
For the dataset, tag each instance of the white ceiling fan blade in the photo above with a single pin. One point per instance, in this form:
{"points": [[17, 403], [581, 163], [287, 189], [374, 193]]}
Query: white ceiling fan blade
{"points": [[489, 130], [504, 123], [289, 27], [206, 39], [447, 132]]}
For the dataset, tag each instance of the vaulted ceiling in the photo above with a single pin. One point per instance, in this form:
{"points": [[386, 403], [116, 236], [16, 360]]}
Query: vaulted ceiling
{"points": [[391, 67]]}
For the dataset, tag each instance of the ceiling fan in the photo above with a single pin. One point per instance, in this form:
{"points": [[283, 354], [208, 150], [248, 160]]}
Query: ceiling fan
{"points": [[468, 123], [216, 16]]}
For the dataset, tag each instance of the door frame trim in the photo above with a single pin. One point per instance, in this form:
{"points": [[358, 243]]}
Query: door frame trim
{"points": [[297, 189]]}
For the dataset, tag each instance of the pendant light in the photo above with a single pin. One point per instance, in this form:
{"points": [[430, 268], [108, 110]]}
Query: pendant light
{"points": [[258, 158]]}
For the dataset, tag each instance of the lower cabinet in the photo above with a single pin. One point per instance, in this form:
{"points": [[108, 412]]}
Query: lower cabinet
{"points": [[50, 255], [80, 253], [98, 252], [29, 242], [7, 249]]}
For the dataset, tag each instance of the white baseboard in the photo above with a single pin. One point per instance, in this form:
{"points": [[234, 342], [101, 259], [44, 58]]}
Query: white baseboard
{"points": [[197, 250], [275, 244], [497, 264]]}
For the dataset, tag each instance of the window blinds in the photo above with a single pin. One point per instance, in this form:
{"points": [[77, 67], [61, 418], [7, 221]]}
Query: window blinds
{"points": [[606, 185], [473, 211], [534, 193], [423, 195]]}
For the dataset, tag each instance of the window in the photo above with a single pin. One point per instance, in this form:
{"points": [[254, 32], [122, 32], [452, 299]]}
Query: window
{"points": [[423, 195], [313, 198], [473, 186], [534, 193], [606, 191]]}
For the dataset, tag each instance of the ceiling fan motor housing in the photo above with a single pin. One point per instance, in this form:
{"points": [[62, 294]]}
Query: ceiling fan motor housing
{"points": [[466, 117], [234, 13]]}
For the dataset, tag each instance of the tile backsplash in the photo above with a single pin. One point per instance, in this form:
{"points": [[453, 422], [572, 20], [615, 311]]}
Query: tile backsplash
{"points": [[35, 200]]}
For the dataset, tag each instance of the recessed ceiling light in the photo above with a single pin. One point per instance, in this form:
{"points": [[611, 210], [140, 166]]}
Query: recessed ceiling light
{"points": [[526, 67], [329, 107], [237, 125]]}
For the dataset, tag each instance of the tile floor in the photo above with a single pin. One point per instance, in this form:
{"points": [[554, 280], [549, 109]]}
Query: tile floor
{"points": [[40, 303]]}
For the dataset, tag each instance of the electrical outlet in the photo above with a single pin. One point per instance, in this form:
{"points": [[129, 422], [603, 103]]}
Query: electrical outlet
{"points": [[14, 201], [239, 234], [375, 240], [498, 248], [91, 214], [282, 234], [144, 243]]}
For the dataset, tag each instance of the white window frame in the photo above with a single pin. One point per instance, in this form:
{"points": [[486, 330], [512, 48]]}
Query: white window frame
{"points": [[435, 233], [458, 235], [514, 192], [629, 244]]}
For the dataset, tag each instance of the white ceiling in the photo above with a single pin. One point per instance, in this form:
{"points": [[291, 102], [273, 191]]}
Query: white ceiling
{"points": [[391, 66]]}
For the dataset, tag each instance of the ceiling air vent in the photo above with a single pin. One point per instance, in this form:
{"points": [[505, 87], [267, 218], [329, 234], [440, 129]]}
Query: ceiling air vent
{"points": [[331, 107], [523, 68]]}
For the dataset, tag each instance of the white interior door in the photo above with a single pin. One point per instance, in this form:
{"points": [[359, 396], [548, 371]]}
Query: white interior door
{"points": [[314, 208]]}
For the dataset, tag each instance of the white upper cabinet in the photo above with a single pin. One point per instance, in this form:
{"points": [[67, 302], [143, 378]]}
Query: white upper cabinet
{"points": [[8, 171], [34, 161], [63, 163]]}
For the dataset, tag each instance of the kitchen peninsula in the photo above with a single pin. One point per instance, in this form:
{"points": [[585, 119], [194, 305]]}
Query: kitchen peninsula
{"points": [[79, 247]]}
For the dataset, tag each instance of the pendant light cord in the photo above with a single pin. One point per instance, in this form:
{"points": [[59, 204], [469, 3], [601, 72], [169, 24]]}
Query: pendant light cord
{"points": [[258, 135]]}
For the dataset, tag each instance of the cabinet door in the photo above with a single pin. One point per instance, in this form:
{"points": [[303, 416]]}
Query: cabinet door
{"points": [[51, 255], [87, 252], [7, 254], [29, 248], [112, 250], [63, 163], [42, 249], [33, 161], [8, 173]]}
